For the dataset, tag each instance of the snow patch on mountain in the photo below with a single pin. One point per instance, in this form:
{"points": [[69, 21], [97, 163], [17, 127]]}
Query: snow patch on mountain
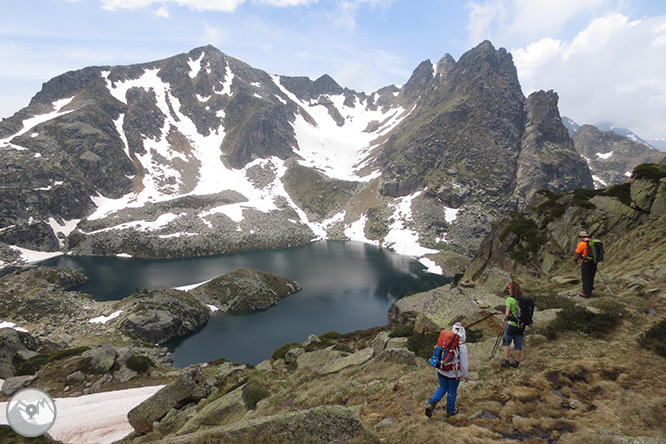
{"points": [[401, 238], [30, 123], [339, 151]]}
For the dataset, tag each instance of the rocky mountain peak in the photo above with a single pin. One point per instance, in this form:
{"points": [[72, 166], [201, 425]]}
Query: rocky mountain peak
{"points": [[543, 113], [418, 81], [548, 158]]}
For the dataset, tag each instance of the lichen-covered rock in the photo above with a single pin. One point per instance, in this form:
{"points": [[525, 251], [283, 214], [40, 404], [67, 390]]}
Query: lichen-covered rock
{"points": [[406, 307], [102, 359], [378, 344], [11, 343], [227, 409], [331, 361], [189, 387], [399, 356], [325, 424], [457, 304]]}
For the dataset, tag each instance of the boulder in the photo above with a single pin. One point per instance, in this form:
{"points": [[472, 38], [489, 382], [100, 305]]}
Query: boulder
{"points": [[330, 424], [158, 315], [394, 343], [643, 193], [378, 344], [227, 409], [227, 368], [76, 378], [189, 387], [401, 310], [456, 304], [312, 339], [102, 358], [332, 361], [398, 356], [16, 383], [293, 354], [542, 317], [11, 343]]}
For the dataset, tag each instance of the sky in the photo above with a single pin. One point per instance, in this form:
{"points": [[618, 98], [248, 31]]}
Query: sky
{"points": [[606, 59]]}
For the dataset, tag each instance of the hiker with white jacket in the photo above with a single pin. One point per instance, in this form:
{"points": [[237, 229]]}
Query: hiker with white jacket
{"points": [[450, 379]]}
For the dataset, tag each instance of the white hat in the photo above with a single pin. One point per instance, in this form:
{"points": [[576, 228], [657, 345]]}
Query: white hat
{"points": [[459, 329]]}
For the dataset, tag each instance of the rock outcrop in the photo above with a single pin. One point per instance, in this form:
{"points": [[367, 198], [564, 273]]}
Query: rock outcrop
{"points": [[331, 424], [12, 346], [245, 290], [159, 315], [189, 387]]}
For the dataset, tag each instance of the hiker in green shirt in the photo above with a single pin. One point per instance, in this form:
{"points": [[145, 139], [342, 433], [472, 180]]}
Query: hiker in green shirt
{"points": [[512, 333]]}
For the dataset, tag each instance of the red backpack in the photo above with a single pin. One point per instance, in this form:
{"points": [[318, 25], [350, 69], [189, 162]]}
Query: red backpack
{"points": [[445, 355]]}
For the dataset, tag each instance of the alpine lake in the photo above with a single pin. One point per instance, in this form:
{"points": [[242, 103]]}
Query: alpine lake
{"points": [[347, 286]]}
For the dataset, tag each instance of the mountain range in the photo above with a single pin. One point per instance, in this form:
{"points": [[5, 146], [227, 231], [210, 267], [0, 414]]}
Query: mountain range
{"points": [[201, 153]]}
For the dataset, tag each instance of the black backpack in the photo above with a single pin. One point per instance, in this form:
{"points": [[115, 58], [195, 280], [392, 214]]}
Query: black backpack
{"points": [[524, 312]]}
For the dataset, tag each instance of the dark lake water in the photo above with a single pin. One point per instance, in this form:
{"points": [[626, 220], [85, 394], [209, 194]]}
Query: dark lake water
{"points": [[347, 286]]}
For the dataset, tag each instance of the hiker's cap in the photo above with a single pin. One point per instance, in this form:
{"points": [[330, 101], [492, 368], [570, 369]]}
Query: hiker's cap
{"points": [[583, 234]]}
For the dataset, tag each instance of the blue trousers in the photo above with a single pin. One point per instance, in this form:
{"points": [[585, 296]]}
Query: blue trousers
{"points": [[446, 385]]}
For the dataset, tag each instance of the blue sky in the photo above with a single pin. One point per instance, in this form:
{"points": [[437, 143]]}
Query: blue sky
{"points": [[605, 58]]}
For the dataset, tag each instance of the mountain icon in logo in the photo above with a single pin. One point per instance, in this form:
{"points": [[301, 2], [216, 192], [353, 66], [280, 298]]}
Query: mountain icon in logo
{"points": [[31, 412]]}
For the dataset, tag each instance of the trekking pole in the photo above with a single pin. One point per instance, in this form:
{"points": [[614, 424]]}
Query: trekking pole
{"points": [[492, 354], [602, 278]]}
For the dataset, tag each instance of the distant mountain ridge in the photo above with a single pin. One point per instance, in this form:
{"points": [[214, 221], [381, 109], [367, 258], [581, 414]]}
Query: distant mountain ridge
{"points": [[611, 152], [201, 153]]}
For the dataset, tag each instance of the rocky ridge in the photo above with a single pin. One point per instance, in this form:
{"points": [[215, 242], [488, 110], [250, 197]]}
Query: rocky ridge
{"points": [[611, 157], [209, 155]]}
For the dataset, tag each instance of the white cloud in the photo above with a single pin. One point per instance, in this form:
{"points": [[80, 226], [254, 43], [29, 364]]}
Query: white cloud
{"points": [[162, 12], [501, 20], [198, 5], [347, 10], [215, 36], [614, 70]]}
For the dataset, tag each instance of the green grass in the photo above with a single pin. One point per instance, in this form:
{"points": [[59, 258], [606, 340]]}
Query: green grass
{"points": [[655, 338], [280, 352], [649, 171], [579, 319], [32, 365], [422, 345]]}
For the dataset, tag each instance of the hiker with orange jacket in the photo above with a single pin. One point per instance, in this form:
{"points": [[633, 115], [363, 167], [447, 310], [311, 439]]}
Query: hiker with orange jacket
{"points": [[588, 268]]}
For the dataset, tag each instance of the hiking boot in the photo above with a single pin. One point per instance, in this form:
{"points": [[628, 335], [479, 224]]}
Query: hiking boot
{"points": [[429, 408], [583, 295], [505, 363], [515, 364], [453, 413]]}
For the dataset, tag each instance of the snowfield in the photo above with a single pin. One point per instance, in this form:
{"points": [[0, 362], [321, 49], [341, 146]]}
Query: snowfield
{"points": [[100, 418]]}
